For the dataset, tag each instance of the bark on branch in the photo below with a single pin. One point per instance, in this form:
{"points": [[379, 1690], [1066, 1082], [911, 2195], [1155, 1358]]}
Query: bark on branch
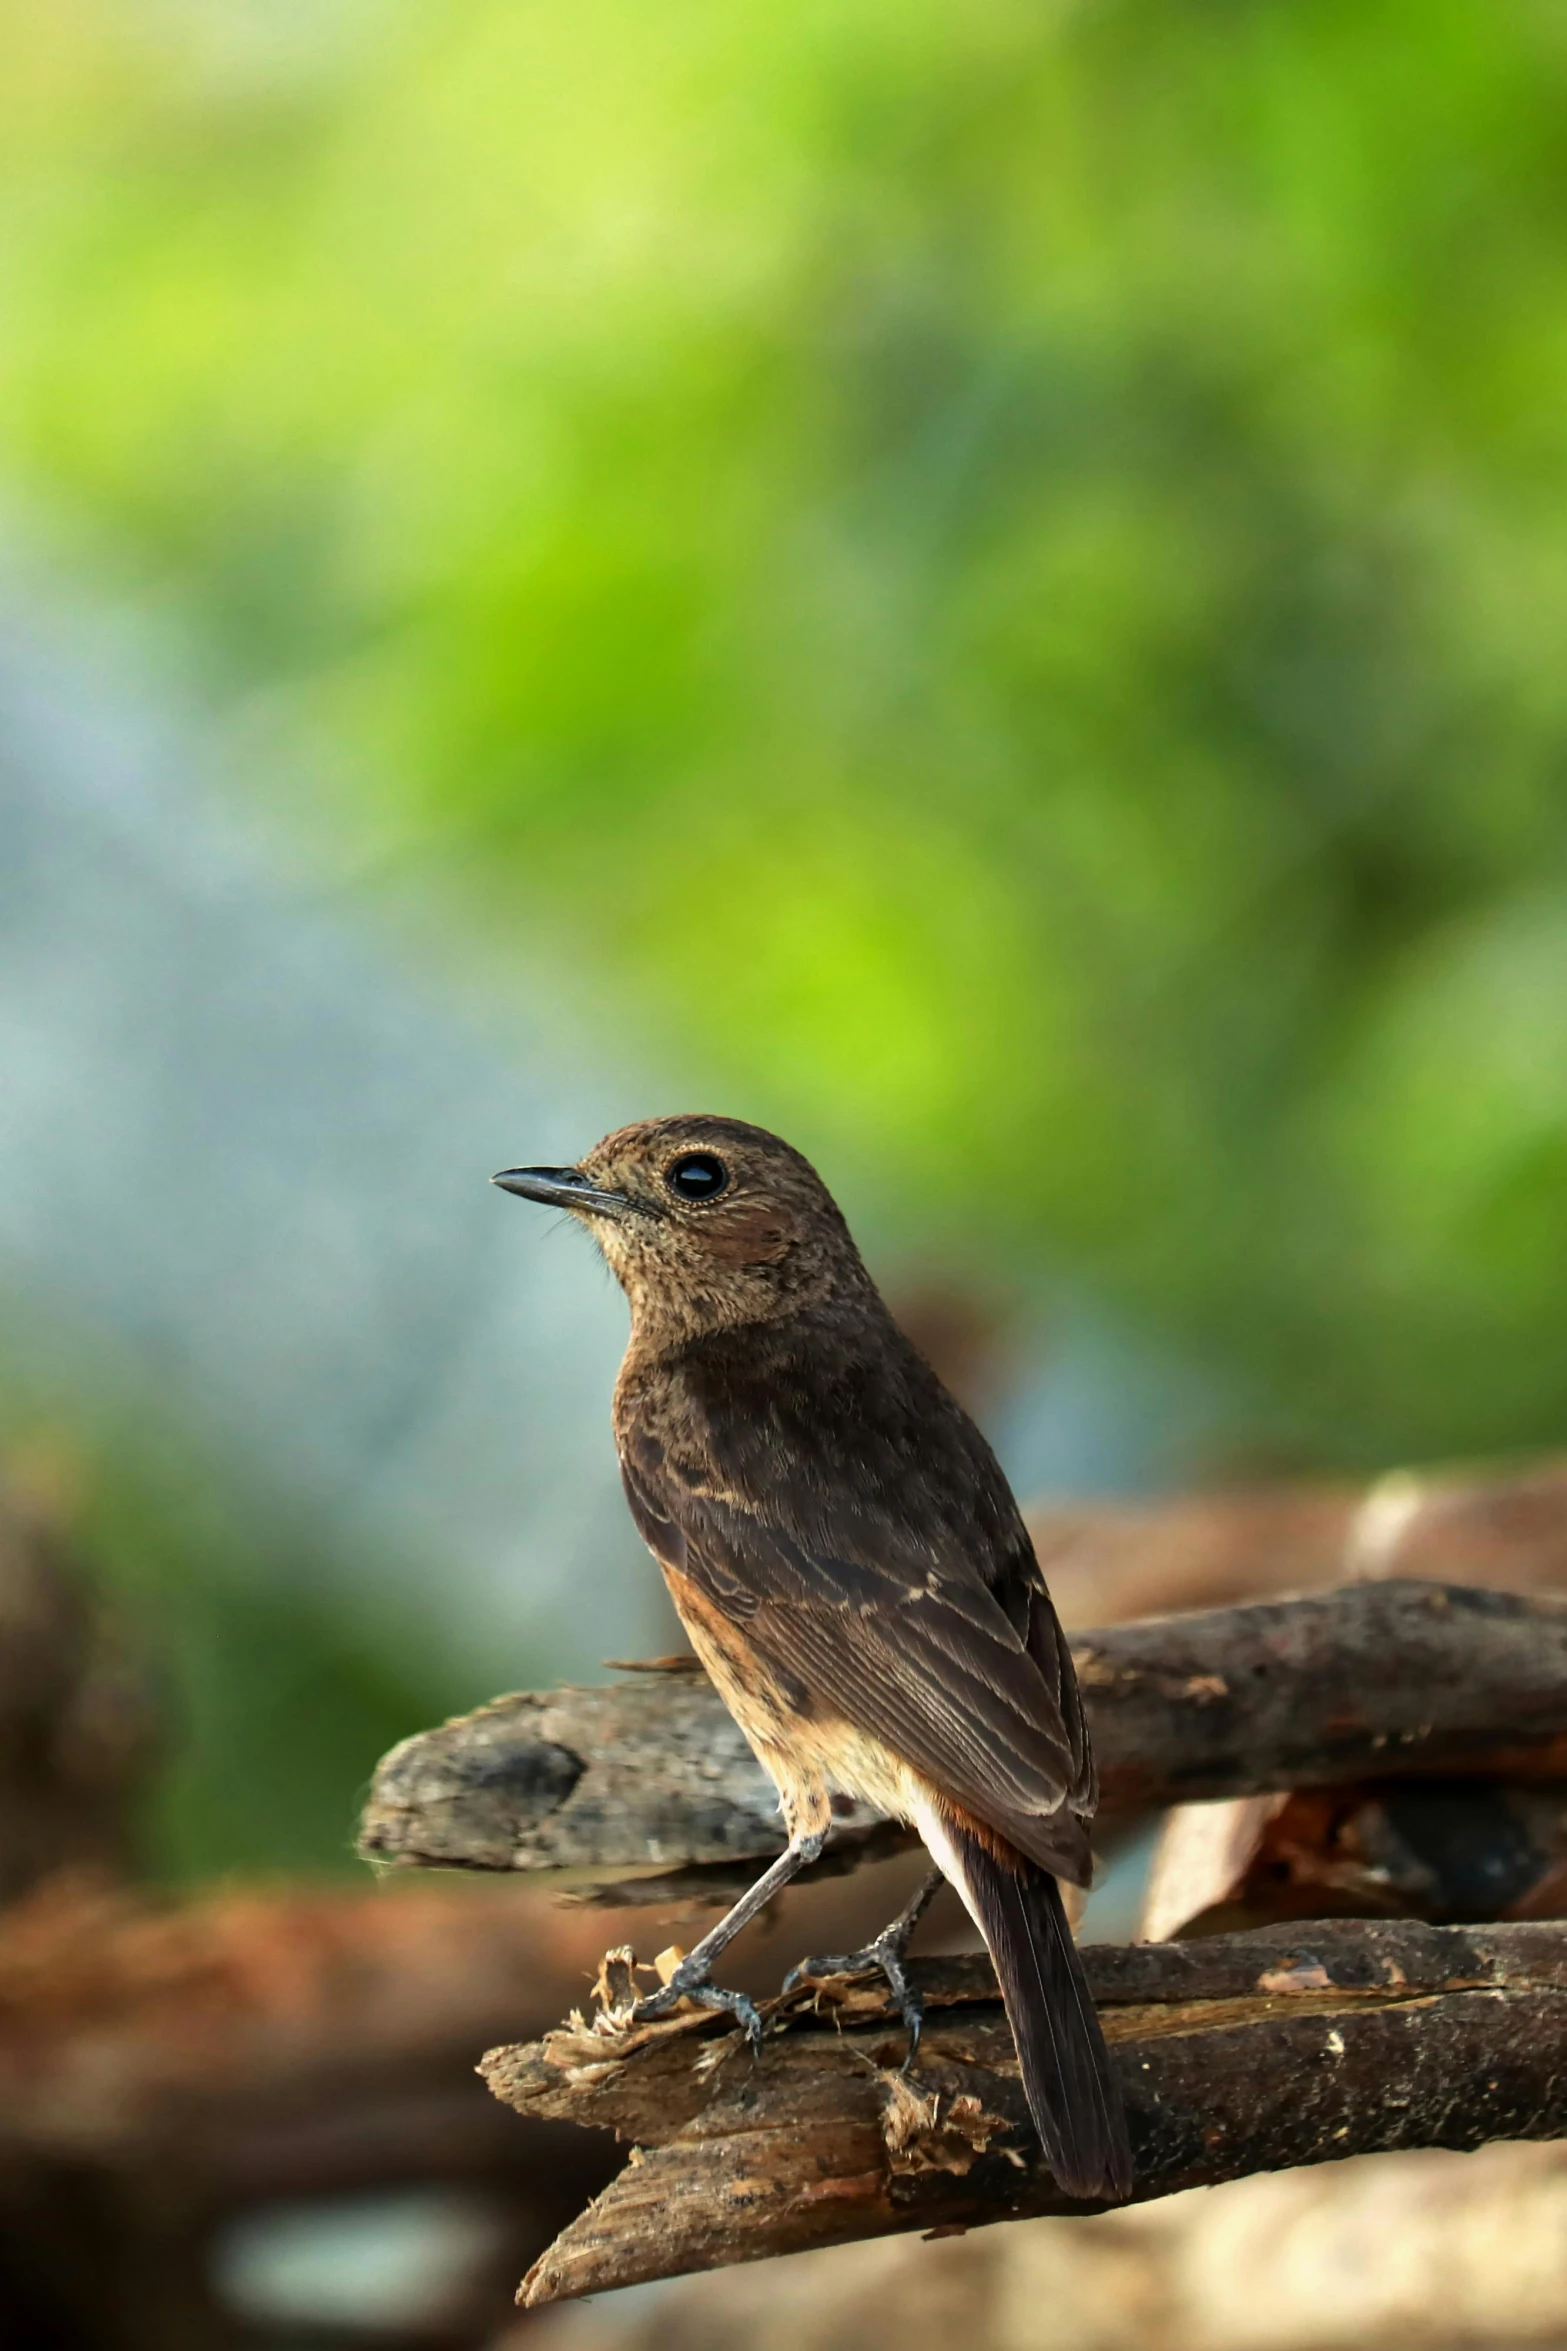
{"points": [[1367, 1682], [1240, 2054]]}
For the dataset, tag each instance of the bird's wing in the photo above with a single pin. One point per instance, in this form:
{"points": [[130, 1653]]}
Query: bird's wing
{"points": [[955, 1663]]}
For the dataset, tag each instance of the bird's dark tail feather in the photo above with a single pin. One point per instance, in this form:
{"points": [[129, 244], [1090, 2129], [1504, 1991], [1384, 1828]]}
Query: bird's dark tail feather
{"points": [[1071, 2092]]}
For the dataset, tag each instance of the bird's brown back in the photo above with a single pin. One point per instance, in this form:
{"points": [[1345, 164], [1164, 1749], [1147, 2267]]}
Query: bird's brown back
{"points": [[811, 1481]]}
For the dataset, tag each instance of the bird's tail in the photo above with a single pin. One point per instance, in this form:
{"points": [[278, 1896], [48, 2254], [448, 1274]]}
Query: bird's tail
{"points": [[1071, 2092]]}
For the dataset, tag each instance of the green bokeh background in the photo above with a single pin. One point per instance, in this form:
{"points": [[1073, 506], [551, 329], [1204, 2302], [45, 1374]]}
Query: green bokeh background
{"points": [[994, 578]]}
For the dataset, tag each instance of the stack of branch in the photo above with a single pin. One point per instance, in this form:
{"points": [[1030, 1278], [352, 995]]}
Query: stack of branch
{"points": [[1106, 1562], [172, 2070], [168, 2068], [1444, 1705]]}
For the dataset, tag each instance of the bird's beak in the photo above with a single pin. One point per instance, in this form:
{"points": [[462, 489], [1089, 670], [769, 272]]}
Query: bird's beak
{"points": [[562, 1187]]}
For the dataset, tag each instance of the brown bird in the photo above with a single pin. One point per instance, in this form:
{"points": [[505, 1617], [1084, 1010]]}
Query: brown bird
{"points": [[852, 1569]]}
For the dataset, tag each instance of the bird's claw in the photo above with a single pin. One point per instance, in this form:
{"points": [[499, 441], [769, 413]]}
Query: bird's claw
{"points": [[883, 1957], [696, 1988]]}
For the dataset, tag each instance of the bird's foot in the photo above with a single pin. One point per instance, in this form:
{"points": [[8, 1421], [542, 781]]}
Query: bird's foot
{"points": [[885, 1957], [691, 1983]]}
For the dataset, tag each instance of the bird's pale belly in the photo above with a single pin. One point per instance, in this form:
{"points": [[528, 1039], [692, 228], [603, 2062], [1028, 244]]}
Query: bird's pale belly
{"points": [[809, 1758]]}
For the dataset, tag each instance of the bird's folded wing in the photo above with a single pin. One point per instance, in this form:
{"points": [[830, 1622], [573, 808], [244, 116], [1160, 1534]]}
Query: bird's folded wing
{"points": [[914, 1651]]}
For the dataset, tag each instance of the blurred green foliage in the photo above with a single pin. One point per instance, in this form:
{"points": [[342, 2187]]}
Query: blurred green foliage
{"points": [[276, 1683], [997, 574], [277, 1707]]}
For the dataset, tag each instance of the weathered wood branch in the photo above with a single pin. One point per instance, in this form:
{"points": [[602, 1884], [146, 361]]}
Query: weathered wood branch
{"points": [[1241, 2054], [1448, 1851], [166, 2067], [1108, 1561], [1369, 1681]]}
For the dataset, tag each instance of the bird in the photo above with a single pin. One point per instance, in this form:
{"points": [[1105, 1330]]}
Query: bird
{"points": [[852, 1569]]}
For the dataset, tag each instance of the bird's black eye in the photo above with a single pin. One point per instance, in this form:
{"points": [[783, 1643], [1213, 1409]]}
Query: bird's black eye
{"points": [[697, 1176]]}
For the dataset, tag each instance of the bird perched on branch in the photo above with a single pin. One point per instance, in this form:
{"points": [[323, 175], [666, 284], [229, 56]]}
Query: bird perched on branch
{"points": [[852, 1570]]}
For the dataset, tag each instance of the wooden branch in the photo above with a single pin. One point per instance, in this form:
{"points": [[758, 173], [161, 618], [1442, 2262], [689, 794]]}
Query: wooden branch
{"points": [[1241, 2054], [1368, 1681], [1420, 2251], [1442, 1850], [165, 2067], [1107, 1562]]}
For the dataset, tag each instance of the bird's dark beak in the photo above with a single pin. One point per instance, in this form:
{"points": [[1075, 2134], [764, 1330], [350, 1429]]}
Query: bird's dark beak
{"points": [[561, 1187]]}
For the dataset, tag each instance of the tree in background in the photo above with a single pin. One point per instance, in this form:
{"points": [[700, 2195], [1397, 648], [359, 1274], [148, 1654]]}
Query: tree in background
{"points": [[996, 575]]}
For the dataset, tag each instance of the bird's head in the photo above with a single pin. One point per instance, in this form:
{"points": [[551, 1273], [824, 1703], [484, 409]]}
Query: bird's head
{"points": [[707, 1223]]}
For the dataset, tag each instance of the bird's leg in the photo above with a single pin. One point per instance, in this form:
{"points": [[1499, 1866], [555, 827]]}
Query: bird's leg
{"points": [[887, 1954], [690, 1980]]}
